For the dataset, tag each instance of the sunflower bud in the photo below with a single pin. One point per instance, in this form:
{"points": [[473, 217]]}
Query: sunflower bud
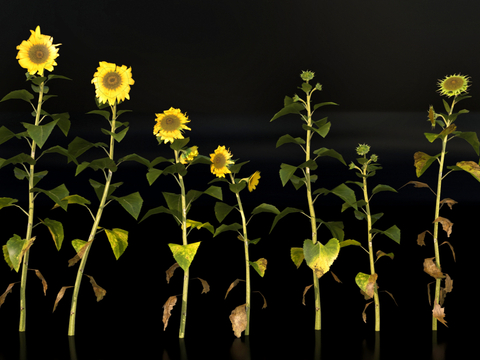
{"points": [[362, 149], [296, 98], [307, 75], [432, 116], [318, 87], [374, 158]]}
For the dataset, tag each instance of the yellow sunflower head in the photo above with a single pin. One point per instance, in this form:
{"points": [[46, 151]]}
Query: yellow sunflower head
{"points": [[189, 155], [170, 124], [253, 181], [220, 161], [453, 85], [112, 83], [37, 53]]}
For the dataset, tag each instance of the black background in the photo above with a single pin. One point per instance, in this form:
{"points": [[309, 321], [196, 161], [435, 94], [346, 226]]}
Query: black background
{"points": [[229, 66]]}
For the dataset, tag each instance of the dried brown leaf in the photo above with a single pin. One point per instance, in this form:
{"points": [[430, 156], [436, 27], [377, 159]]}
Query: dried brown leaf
{"points": [[451, 248], [391, 296], [421, 237], [439, 314], [449, 202], [79, 254], [448, 284], [232, 285], [8, 291], [370, 287], [364, 315], [264, 300], [428, 291], [418, 184], [365, 296], [380, 253], [446, 224], [60, 296], [170, 271], [167, 310], [99, 291], [238, 317], [335, 277], [206, 287], [431, 268], [304, 292], [44, 282]]}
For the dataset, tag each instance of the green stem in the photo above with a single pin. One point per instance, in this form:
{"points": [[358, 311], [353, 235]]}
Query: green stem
{"points": [[31, 198], [247, 260], [81, 268]]}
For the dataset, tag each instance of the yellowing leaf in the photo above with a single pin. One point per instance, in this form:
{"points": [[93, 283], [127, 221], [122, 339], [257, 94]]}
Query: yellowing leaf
{"points": [[422, 162], [238, 317], [79, 254], [471, 167], [206, 287], [366, 283], [167, 310], [99, 291], [431, 269], [260, 266], [439, 313], [304, 292], [118, 240], [184, 254], [170, 271], [319, 257], [446, 224], [60, 296], [296, 254], [380, 253]]}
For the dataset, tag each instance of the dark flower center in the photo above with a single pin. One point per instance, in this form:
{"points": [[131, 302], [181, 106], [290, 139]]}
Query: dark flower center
{"points": [[170, 123], [38, 54], [219, 161], [112, 80], [453, 83]]}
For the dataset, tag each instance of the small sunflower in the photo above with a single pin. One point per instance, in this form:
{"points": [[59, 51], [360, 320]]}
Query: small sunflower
{"points": [[453, 85], [220, 161], [189, 155], [170, 124], [112, 82], [253, 181], [37, 53]]}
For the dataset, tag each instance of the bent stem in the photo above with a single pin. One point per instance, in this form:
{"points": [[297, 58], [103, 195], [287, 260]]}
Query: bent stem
{"points": [[247, 260], [81, 268], [31, 199]]}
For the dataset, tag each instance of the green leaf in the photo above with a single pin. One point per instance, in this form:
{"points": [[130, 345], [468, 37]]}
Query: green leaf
{"points": [[422, 161], [57, 195], [284, 212], [237, 187], [132, 203], [56, 230], [77, 199], [260, 266], [316, 106], [285, 139], [159, 160], [310, 164], [5, 134], [471, 138], [292, 108], [40, 133], [6, 201], [446, 106], [199, 225], [99, 188], [104, 113], [319, 257], [63, 122], [286, 172], [118, 239], [117, 136], [60, 150], [379, 188], [137, 158], [157, 210], [235, 168], [18, 94], [346, 194], [306, 87], [177, 168], [231, 227], [184, 254], [15, 245], [324, 129], [78, 244], [349, 242], [335, 227], [178, 143], [330, 152], [222, 210], [392, 232], [265, 208], [471, 167], [297, 256], [18, 159], [214, 191], [103, 163], [78, 146]]}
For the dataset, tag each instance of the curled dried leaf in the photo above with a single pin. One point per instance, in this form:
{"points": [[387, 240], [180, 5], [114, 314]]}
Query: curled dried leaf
{"points": [[448, 284], [60, 296], [380, 253], [167, 310], [264, 300], [232, 285], [364, 314], [451, 248], [421, 237], [391, 296], [44, 282], [304, 292], [206, 287], [170, 271], [238, 317], [4, 295], [449, 202], [418, 184], [439, 314], [446, 224], [79, 254], [428, 291], [431, 268], [335, 277], [99, 291]]}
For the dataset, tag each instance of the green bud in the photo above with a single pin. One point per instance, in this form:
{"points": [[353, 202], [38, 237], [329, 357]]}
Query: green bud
{"points": [[362, 149], [318, 87], [351, 166], [374, 158], [296, 98], [307, 75]]}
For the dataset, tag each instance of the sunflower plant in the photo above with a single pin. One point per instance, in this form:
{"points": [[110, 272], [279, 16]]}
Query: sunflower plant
{"points": [[319, 257], [168, 129], [366, 168], [453, 87], [37, 55], [112, 86], [221, 166]]}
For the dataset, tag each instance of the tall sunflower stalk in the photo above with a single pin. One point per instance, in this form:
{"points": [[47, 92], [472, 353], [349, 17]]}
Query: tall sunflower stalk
{"points": [[318, 257], [36, 54], [455, 86], [221, 165]]}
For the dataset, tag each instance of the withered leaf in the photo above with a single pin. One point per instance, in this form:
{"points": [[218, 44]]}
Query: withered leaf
{"points": [[167, 310], [79, 254], [335, 277], [60, 296], [370, 287], [431, 268], [364, 315], [380, 253], [232, 285], [446, 224], [391, 295], [238, 317], [439, 314], [471, 167], [99, 291], [451, 248], [264, 300], [421, 237], [418, 184], [170, 271], [428, 291], [449, 202], [8, 291], [206, 287], [365, 296], [304, 292], [448, 284], [44, 282]]}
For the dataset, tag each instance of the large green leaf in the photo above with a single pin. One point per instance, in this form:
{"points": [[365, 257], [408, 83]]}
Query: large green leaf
{"points": [[471, 138], [5, 134], [18, 159], [265, 208], [335, 227], [18, 94], [40, 133], [117, 136], [56, 230], [346, 194], [103, 163], [132, 203], [118, 239], [286, 172], [260, 266], [153, 174], [296, 254], [184, 254], [222, 210], [137, 158], [6, 201], [471, 167], [104, 113], [320, 257], [157, 210], [99, 188], [178, 143], [286, 211], [214, 191], [63, 122], [237, 187], [379, 188], [177, 168], [285, 139], [57, 195], [231, 227], [291, 108], [392, 232], [15, 245], [422, 161], [78, 146]]}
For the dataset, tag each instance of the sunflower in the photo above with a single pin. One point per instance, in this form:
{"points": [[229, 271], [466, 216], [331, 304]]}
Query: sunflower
{"points": [[170, 124], [453, 85], [37, 53], [189, 154], [220, 161], [253, 181], [112, 82]]}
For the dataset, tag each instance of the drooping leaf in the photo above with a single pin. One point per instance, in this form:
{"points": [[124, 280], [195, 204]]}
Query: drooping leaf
{"points": [[232, 285], [18, 159], [285, 139], [439, 313], [380, 253], [157, 210], [422, 162], [238, 317], [137, 158], [5, 134], [335, 277], [264, 300], [184, 254], [320, 257], [349, 242], [6, 201], [8, 291], [364, 314], [78, 244], [56, 230], [102, 164], [451, 248], [231, 227], [331, 153], [260, 266], [471, 138], [132, 203], [104, 113], [304, 292], [199, 225], [44, 282], [471, 167], [296, 254], [265, 208], [205, 286], [346, 194], [431, 269], [286, 211], [74, 199], [419, 184], [99, 291], [421, 237], [291, 108], [379, 188], [366, 283], [446, 224], [15, 246], [60, 296], [170, 271], [449, 202], [57, 194], [286, 172], [167, 310], [80, 252]]}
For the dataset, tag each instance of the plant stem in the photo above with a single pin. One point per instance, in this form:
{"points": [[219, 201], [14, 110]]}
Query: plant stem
{"points": [[247, 260], [183, 317], [31, 198], [81, 268]]}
